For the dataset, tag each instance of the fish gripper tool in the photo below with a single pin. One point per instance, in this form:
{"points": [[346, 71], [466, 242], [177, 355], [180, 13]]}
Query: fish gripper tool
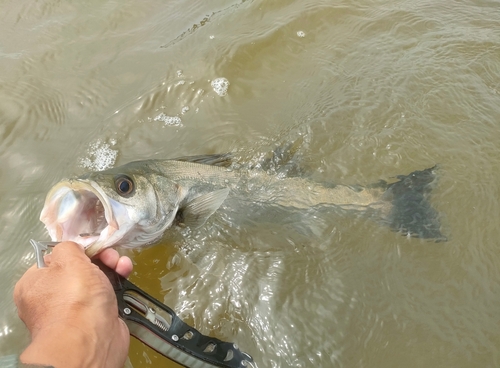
{"points": [[159, 327]]}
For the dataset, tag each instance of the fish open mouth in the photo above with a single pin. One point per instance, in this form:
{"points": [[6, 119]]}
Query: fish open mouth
{"points": [[79, 211]]}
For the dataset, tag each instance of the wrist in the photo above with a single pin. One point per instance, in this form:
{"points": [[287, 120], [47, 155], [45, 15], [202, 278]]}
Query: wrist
{"points": [[65, 346]]}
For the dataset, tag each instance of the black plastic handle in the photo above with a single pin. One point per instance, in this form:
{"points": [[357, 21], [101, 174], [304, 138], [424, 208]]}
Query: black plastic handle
{"points": [[175, 339]]}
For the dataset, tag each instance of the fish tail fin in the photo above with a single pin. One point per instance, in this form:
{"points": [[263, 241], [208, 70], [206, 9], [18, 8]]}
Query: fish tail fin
{"points": [[411, 212]]}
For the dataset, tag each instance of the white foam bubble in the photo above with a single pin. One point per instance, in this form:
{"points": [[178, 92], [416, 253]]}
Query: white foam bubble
{"points": [[100, 156], [220, 86], [169, 120], [301, 34]]}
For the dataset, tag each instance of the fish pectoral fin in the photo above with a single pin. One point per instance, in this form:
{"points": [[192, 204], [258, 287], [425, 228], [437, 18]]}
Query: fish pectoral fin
{"points": [[197, 211]]}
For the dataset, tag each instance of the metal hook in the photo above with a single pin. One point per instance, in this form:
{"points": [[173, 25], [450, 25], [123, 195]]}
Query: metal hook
{"points": [[40, 248]]}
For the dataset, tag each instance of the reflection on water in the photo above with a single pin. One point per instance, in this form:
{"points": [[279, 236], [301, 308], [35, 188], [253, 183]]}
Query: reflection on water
{"points": [[371, 90]]}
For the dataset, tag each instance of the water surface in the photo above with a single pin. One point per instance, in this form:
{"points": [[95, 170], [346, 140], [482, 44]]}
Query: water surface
{"points": [[367, 90]]}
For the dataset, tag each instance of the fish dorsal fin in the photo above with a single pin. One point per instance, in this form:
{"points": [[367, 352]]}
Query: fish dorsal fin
{"points": [[197, 211], [220, 159]]}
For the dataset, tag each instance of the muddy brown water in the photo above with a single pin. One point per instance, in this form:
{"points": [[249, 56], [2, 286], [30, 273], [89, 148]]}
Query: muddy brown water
{"points": [[367, 90]]}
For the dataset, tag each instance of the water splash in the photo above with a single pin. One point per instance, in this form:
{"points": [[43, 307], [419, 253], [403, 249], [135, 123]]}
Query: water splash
{"points": [[100, 156], [220, 86], [169, 120]]}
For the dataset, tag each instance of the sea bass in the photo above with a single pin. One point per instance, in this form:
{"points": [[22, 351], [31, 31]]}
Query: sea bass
{"points": [[135, 204]]}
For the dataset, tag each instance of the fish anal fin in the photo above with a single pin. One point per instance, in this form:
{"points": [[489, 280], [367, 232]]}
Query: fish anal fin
{"points": [[198, 210]]}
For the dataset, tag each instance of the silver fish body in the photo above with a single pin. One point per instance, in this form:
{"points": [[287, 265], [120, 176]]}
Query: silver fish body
{"points": [[135, 204]]}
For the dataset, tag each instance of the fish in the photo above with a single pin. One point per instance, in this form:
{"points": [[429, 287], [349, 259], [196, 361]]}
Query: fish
{"points": [[136, 204]]}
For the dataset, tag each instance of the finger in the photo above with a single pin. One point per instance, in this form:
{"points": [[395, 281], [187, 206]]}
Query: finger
{"points": [[109, 257], [47, 259], [124, 266], [67, 250]]}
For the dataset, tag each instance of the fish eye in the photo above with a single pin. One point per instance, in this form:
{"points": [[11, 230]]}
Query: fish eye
{"points": [[124, 186]]}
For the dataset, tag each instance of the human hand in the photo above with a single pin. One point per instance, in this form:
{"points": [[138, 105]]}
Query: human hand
{"points": [[71, 310], [111, 258]]}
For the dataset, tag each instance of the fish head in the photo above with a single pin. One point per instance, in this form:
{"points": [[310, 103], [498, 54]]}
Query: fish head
{"points": [[110, 208]]}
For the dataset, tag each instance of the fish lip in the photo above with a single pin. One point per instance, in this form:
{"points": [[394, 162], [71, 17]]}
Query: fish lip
{"points": [[56, 230]]}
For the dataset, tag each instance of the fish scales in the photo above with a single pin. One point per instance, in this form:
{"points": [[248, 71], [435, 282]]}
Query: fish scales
{"points": [[289, 192]]}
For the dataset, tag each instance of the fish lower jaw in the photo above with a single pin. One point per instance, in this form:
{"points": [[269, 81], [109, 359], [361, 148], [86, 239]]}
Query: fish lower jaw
{"points": [[94, 249], [97, 241], [84, 240]]}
